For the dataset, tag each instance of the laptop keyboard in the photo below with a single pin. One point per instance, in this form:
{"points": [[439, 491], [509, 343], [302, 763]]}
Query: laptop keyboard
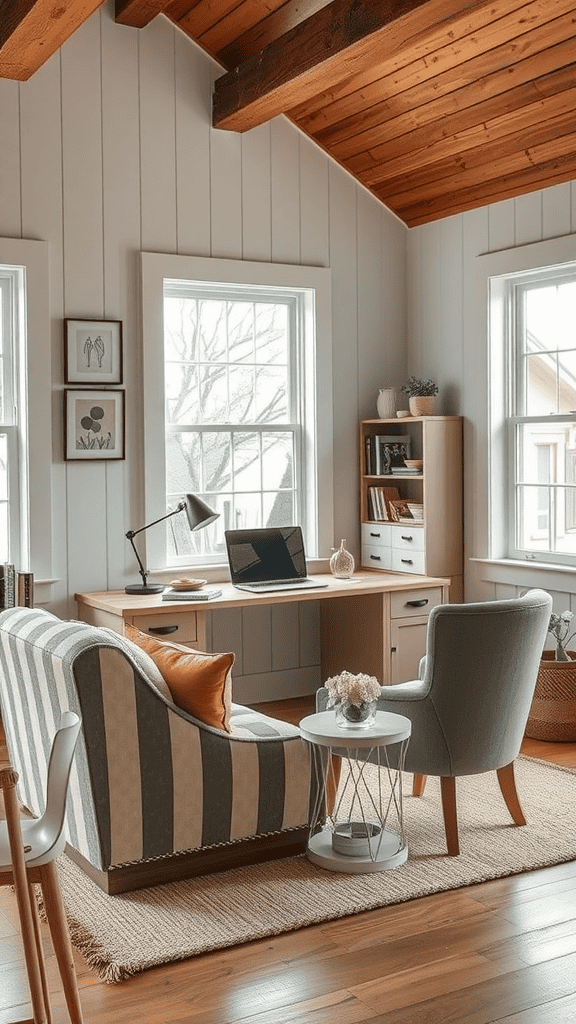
{"points": [[282, 583]]}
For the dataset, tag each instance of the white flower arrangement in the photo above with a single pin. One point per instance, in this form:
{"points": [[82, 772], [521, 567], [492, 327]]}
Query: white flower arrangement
{"points": [[355, 689], [560, 629]]}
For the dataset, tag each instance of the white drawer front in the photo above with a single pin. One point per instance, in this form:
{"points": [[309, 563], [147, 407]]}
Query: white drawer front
{"points": [[408, 538], [376, 557], [181, 627], [407, 560], [407, 603], [377, 535]]}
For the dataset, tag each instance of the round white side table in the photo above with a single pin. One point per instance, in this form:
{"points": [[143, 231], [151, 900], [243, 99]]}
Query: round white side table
{"points": [[364, 829]]}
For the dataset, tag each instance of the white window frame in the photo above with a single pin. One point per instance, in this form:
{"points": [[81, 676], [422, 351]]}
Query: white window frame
{"points": [[314, 283], [31, 537]]}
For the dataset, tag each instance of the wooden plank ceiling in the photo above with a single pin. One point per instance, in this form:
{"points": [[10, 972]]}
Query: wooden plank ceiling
{"points": [[436, 106]]}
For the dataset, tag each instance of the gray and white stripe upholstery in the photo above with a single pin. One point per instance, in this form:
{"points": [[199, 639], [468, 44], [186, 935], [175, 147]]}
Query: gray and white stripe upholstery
{"points": [[148, 779]]}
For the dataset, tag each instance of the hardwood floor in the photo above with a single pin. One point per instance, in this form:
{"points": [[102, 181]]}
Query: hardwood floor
{"points": [[503, 952]]}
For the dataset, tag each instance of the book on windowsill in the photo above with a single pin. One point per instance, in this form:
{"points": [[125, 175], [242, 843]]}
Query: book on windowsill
{"points": [[190, 595]]}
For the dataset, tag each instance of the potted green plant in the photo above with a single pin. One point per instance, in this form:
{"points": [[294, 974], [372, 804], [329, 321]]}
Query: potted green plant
{"points": [[553, 712], [421, 396]]}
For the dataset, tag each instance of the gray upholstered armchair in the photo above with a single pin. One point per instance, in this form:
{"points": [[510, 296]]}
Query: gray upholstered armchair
{"points": [[470, 705]]}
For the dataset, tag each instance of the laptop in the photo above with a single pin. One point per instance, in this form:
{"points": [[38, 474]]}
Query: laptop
{"points": [[268, 559]]}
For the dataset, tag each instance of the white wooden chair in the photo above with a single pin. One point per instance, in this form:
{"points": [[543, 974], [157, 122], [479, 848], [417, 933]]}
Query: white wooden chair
{"points": [[28, 849]]}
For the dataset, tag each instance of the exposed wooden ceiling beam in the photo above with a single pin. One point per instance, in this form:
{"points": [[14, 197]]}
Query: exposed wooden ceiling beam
{"points": [[32, 30], [337, 42], [139, 13]]}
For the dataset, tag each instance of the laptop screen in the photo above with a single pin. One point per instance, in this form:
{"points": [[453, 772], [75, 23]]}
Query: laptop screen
{"points": [[256, 556]]}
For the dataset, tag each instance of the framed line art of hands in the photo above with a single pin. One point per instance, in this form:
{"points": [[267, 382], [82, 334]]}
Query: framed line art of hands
{"points": [[94, 424], [93, 351]]}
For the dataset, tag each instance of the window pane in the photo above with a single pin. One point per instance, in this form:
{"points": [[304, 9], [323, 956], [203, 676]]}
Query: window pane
{"points": [[550, 315], [213, 386], [279, 508], [183, 544], [182, 465], [247, 511], [534, 520], [3, 467], [180, 328], [271, 394], [212, 329], [216, 471], [272, 333], [278, 460], [241, 332], [567, 380], [247, 462], [241, 389], [541, 377], [181, 381], [544, 450]]}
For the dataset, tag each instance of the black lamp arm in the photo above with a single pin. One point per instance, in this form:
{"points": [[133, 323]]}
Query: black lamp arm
{"points": [[132, 533]]}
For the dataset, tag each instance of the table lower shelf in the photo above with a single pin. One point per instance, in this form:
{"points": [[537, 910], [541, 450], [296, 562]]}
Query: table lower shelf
{"points": [[387, 851]]}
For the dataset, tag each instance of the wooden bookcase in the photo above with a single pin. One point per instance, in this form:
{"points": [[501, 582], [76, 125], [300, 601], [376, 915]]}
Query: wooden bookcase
{"points": [[433, 547]]}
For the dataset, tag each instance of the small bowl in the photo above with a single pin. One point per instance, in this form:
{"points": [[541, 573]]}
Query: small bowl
{"points": [[187, 584], [414, 463], [401, 413]]}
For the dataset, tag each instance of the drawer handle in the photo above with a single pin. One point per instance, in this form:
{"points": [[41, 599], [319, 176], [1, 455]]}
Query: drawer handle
{"points": [[162, 630], [406, 538], [375, 558], [417, 604], [408, 561], [374, 534]]}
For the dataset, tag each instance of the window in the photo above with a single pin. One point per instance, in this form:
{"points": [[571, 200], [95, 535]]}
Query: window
{"points": [[25, 407], [533, 359], [244, 374]]}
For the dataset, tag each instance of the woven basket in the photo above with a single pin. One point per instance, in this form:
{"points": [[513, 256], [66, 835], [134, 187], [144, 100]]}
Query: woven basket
{"points": [[553, 712]]}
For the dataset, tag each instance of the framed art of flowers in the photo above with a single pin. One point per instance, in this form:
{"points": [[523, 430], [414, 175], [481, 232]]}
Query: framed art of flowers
{"points": [[94, 424]]}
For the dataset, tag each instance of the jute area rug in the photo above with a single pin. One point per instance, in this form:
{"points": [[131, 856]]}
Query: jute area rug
{"points": [[120, 936]]}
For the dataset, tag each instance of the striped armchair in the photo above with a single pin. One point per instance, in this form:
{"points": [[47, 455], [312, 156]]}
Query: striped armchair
{"points": [[155, 794]]}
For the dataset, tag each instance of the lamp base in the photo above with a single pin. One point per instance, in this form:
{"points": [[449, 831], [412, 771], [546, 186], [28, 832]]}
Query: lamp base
{"points": [[139, 588]]}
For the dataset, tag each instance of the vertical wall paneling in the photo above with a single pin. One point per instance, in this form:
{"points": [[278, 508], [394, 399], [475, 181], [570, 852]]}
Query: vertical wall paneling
{"points": [[42, 217], [573, 204], [415, 294], [502, 225], [344, 265], [256, 186], [285, 185], [226, 193], [193, 114], [10, 206], [121, 220], [158, 136], [314, 223], [226, 635], [556, 210], [373, 365], [309, 633], [394, 237], [528, 218], [285, 632], [84, 279], [256, 639], [449, 359]]}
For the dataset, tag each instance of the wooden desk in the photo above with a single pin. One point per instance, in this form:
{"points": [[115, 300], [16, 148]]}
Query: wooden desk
{"points": [[376, 624]]}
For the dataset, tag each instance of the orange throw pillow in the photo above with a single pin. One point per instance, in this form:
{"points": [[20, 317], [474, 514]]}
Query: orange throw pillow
{"points": [[200, 683]]}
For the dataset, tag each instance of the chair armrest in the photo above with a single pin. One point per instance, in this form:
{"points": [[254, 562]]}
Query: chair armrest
{"points": [[422, 668], [414, 689]]}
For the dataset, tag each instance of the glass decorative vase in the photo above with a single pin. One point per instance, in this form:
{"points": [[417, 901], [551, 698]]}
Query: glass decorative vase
{"points": [[342, 563], [355, 716]]}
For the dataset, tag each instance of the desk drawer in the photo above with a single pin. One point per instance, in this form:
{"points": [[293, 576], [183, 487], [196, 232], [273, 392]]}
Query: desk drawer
{"points": [[376, 557], [408, 561], [181, 627], [376, 535], [406, 603], [408, 538]]}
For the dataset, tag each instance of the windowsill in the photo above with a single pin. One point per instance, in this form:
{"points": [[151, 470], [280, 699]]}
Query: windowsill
{"points": [[515, 570]]}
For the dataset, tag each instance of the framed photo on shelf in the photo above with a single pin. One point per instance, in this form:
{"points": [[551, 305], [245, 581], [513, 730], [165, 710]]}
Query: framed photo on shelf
{"points": [[93, 351], [384, 451], [94, 424]]}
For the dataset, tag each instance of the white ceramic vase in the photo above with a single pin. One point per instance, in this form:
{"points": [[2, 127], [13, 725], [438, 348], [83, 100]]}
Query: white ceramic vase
{"points": [[387, 403]]}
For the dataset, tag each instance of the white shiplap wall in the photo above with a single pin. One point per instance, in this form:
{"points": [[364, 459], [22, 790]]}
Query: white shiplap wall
{"points": [[108, 150], [442, 345]]}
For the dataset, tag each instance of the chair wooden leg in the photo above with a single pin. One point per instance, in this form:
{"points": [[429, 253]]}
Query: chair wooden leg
{"points": [[42, 965], [418, 784], [448, 790], [32, 952], [509, 792], [58, 925]]}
